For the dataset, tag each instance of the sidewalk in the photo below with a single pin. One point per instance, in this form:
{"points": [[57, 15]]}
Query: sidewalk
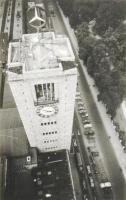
{"points": [[121, 116], [75, 176], [121, 156]]}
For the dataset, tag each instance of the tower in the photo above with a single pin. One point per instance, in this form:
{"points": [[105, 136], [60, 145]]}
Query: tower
{"points": [[42, 77]]}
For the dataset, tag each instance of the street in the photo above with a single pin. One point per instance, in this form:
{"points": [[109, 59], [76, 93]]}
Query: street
{"points": [[109, 157], [85, 160]]}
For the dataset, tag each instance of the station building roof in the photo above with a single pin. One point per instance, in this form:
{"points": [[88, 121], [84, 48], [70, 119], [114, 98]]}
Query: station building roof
{"points": [[3, 47], [49, 179]]}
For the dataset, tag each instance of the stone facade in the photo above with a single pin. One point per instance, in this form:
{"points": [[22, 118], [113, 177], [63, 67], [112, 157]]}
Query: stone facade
{"points": [[44, 95]]}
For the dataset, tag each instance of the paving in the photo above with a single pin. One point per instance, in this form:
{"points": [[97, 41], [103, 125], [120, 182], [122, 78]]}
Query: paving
{"points": [[121, 117]]}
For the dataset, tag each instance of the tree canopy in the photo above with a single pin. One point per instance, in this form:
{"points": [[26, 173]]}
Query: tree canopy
{"points": [[109, 14], [105, 58]]}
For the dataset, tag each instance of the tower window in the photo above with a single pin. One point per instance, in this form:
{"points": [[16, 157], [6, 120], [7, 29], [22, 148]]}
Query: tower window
{"points": [[45, 92], [48, 123], [49, 133]]}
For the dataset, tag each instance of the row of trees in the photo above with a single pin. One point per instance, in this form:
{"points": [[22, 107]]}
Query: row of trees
{"points": [[110, 14], [78, 11], [105, 58], [107, 13]]}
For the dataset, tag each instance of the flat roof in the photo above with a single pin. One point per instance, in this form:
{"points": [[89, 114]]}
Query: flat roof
{"points": [[40, 51], [9, 118], [50, 180], [13, 142], [13, 139]]}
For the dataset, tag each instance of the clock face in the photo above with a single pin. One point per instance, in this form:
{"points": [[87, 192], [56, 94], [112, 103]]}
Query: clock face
{"points": [[47, 111]]}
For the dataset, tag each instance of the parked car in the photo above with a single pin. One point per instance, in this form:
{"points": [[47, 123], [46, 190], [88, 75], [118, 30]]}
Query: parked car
{"points": [[95, 153], [88, 126], [87, 129], [77, 93], [80, 103], [86, 122], [83, 114], [88, 169], [84, 117], [86, 114], [81, 111], [82, 107], [78, 98]]}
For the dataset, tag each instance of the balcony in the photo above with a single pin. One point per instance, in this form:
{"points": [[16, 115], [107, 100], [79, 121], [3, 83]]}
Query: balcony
{"points": [[40, 102]]}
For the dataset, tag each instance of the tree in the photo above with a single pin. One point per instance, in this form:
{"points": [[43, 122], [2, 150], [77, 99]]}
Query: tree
{"points": [[91, 65], [82, 32], [109, 14], [73, 18], [86, 47], [66, 6], [112, 48], [100, 51], [108, 80]]}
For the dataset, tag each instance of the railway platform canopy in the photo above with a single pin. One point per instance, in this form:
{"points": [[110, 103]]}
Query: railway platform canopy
{"points": [[3, 47]]}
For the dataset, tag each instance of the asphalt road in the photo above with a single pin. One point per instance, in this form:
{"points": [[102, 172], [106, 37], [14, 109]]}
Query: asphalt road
{"points": [[83, 145], [57, 20], [110, 161], [84, 156]]}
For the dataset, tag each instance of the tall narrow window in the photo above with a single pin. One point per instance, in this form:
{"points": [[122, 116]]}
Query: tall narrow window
{"points": [[39, 92], [45, 92], [53, 92], [49, 91]]}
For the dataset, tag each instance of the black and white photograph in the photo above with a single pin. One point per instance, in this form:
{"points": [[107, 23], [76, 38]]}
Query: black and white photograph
{"points": [[62, 99]]}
